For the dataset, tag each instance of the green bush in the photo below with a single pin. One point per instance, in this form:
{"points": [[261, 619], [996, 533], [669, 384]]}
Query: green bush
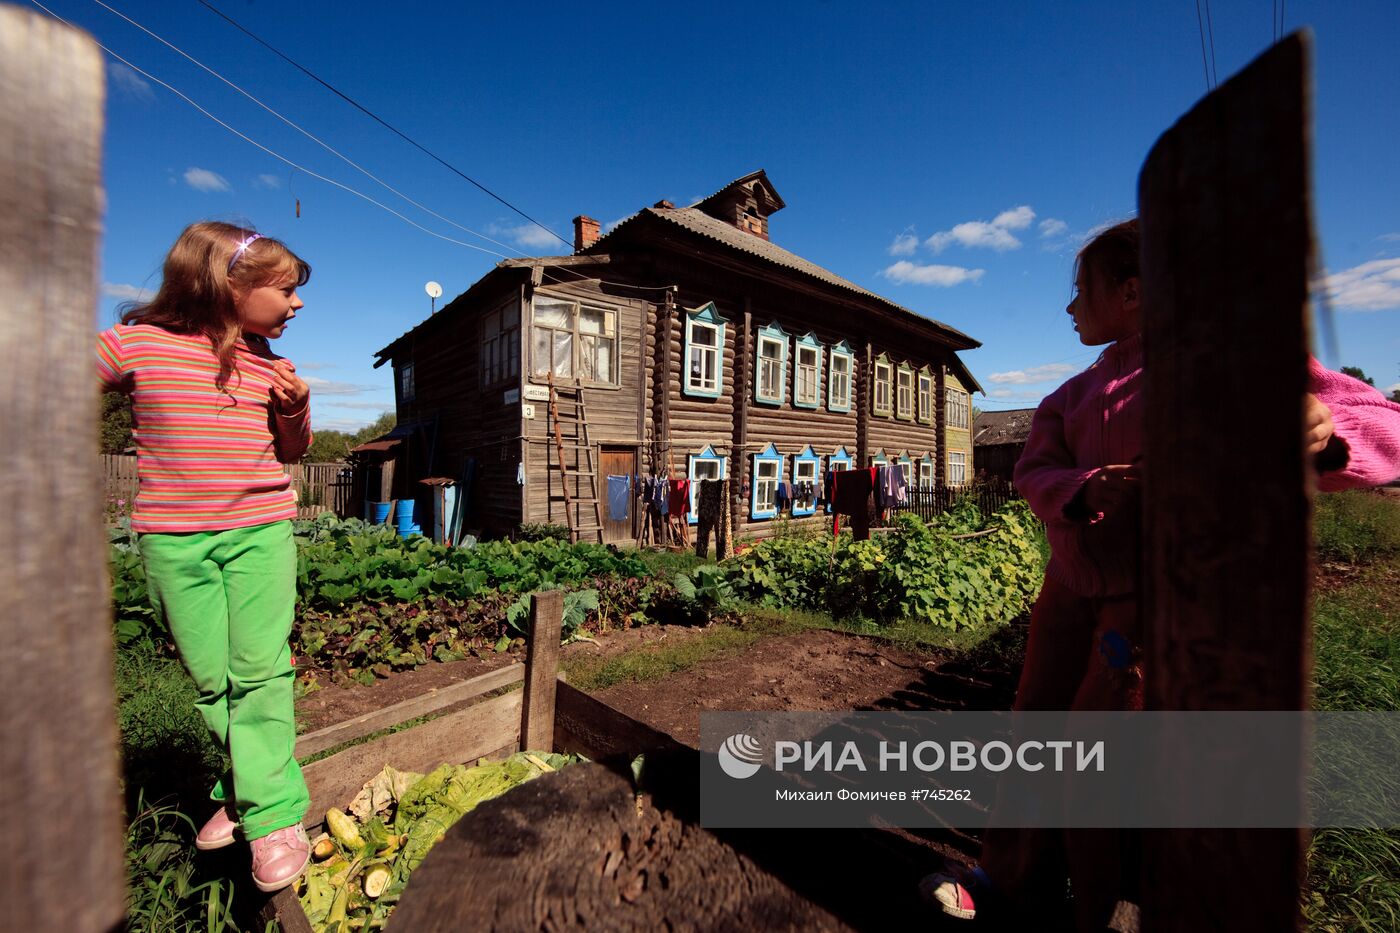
{"points": [[1356, 526], [955, 571]]}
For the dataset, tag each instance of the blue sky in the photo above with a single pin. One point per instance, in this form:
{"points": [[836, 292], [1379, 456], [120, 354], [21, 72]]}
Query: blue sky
{"points": [[948, 156]]}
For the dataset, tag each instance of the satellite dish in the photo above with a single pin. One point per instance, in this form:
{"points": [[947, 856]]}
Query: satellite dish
{"points": [[433, 289]]}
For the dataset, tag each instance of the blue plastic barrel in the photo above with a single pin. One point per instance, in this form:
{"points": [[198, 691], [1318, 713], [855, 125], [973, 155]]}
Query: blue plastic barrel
{"points": [[403, 516], [381, 512]]}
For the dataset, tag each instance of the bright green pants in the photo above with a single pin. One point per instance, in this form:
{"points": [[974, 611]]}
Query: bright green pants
{"points": [[229, 598]]}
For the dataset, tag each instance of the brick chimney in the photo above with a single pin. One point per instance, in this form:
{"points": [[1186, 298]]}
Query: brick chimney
{"points": [[585, 232]]}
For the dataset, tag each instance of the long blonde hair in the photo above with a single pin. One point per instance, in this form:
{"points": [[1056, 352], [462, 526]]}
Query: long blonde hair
{"points": [[208, 261]]}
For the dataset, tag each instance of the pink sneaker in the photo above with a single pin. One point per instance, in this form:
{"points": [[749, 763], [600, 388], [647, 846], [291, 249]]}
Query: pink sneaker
{"points": [[952, 891], [280, 857], [218, 832]]}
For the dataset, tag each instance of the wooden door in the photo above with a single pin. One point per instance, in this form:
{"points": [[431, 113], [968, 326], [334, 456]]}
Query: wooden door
{"points": [[617, 461]]}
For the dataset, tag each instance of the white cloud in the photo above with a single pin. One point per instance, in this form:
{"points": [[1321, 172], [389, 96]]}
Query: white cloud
{"points": [[1051, 227], [912, 273], [1018, 218], [267, 181], [1025, 377], [365, 406], [904, 244], [201, 179], [613, 225], [346, 425], [128, 83], [321, 386], [124, 292], [526, 235], [977, 234], [1391, 390], [1014, 395], [1389, 237], [1371, 286]]}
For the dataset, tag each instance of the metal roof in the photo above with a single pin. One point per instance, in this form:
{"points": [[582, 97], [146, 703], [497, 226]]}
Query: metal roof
{"points": [[1003, 427], [697, 221]]}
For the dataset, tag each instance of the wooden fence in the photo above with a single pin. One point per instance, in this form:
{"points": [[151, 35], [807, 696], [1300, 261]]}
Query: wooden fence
{"points": [[320, 487], [930, 501]]}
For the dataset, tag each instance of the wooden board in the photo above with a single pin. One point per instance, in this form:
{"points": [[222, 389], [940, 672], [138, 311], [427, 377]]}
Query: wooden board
{"points": [[1226, 240], [463, 736], [430, 702], [58, 741]]}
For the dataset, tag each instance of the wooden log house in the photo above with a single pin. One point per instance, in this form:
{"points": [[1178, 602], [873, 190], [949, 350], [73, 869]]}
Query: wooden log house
{"points": [[683, 343]]}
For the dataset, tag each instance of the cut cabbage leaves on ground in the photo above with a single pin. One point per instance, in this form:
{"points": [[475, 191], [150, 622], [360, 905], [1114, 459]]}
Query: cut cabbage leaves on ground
{"points": [[393, 822]]}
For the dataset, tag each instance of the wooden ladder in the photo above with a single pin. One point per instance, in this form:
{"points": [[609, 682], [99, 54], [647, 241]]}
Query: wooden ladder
{"points": [[572, 413]]}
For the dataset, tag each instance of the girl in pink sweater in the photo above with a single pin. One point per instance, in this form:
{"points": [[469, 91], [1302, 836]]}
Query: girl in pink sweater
{"points": [[1081, 473]]}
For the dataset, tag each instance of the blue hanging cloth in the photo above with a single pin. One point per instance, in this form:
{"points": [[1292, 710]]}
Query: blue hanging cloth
{"points": [[619, 497]]}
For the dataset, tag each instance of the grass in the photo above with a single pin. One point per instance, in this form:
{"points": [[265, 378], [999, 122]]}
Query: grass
{"points": [[1356, 526], [1353, 875]]}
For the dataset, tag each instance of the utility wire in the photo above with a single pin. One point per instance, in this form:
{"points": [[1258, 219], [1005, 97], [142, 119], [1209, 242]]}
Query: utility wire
{"points": [[1200, 25], [1210, 31], [293, 125], [275, 155], [369, 113]]}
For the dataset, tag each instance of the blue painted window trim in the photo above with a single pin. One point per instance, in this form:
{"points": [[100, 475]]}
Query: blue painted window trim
{"points": [[926, 460], [806, 456], [842, 349], [879, 458], [708, 455], [769, 454], [705, 314], [775, 333], [811, 342]]}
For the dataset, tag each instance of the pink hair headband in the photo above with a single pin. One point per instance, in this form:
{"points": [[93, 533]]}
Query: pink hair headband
{"points": [[242, 248]]}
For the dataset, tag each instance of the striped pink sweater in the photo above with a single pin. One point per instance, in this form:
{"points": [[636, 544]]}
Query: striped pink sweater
{"points": [[207, 460]]}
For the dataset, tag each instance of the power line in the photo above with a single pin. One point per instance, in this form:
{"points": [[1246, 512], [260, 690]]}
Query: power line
{"points": [[352, 102], [298, 128], [1200, 25], [1210, 30], [275, 155]]}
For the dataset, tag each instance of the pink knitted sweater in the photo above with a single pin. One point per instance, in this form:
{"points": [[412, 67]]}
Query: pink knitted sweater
{"points": [[1095, 419]]}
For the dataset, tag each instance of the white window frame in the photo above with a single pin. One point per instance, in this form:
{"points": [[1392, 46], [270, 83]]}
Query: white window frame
{"points": [[904, 393], [812, 371], [957, 408], [589, 343], [882, 387], [800, 465], [500, 344], [770, 372], [957, 468], [925, 397], [713, 387], [767, 473], [907, 468], [838, 384], [926, 473], [540, 370]]}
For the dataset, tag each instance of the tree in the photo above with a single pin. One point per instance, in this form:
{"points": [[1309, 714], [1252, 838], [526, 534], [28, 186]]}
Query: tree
{"points": [[1356, 373], [116, 422], [331, 446]]}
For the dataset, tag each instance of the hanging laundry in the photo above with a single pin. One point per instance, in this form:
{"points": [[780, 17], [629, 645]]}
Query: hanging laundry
{"points": [[659, 497], [894, 490], [678, 497], [711, 511], [782, 497], [850, 495], [619, 497]]}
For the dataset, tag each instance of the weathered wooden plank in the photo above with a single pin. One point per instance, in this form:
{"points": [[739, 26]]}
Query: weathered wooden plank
{"points": [[462, 736], [58, 740], [542, 669], [1225, 590], [585, 725], [430, 702]]}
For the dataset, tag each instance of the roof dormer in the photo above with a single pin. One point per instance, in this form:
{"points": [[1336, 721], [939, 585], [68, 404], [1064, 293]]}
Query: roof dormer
{"points": [[745, 202]]}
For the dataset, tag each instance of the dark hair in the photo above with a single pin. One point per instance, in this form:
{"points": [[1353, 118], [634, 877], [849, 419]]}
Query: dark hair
{"points": [[1112, 255], [197, 286]]}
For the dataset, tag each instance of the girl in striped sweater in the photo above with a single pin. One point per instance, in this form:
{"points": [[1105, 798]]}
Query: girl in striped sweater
{"points": [[216, 415]]}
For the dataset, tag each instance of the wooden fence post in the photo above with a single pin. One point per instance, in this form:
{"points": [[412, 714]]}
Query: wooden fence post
{"points": [[58, 741], [1224, 202], [542, 670]]}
